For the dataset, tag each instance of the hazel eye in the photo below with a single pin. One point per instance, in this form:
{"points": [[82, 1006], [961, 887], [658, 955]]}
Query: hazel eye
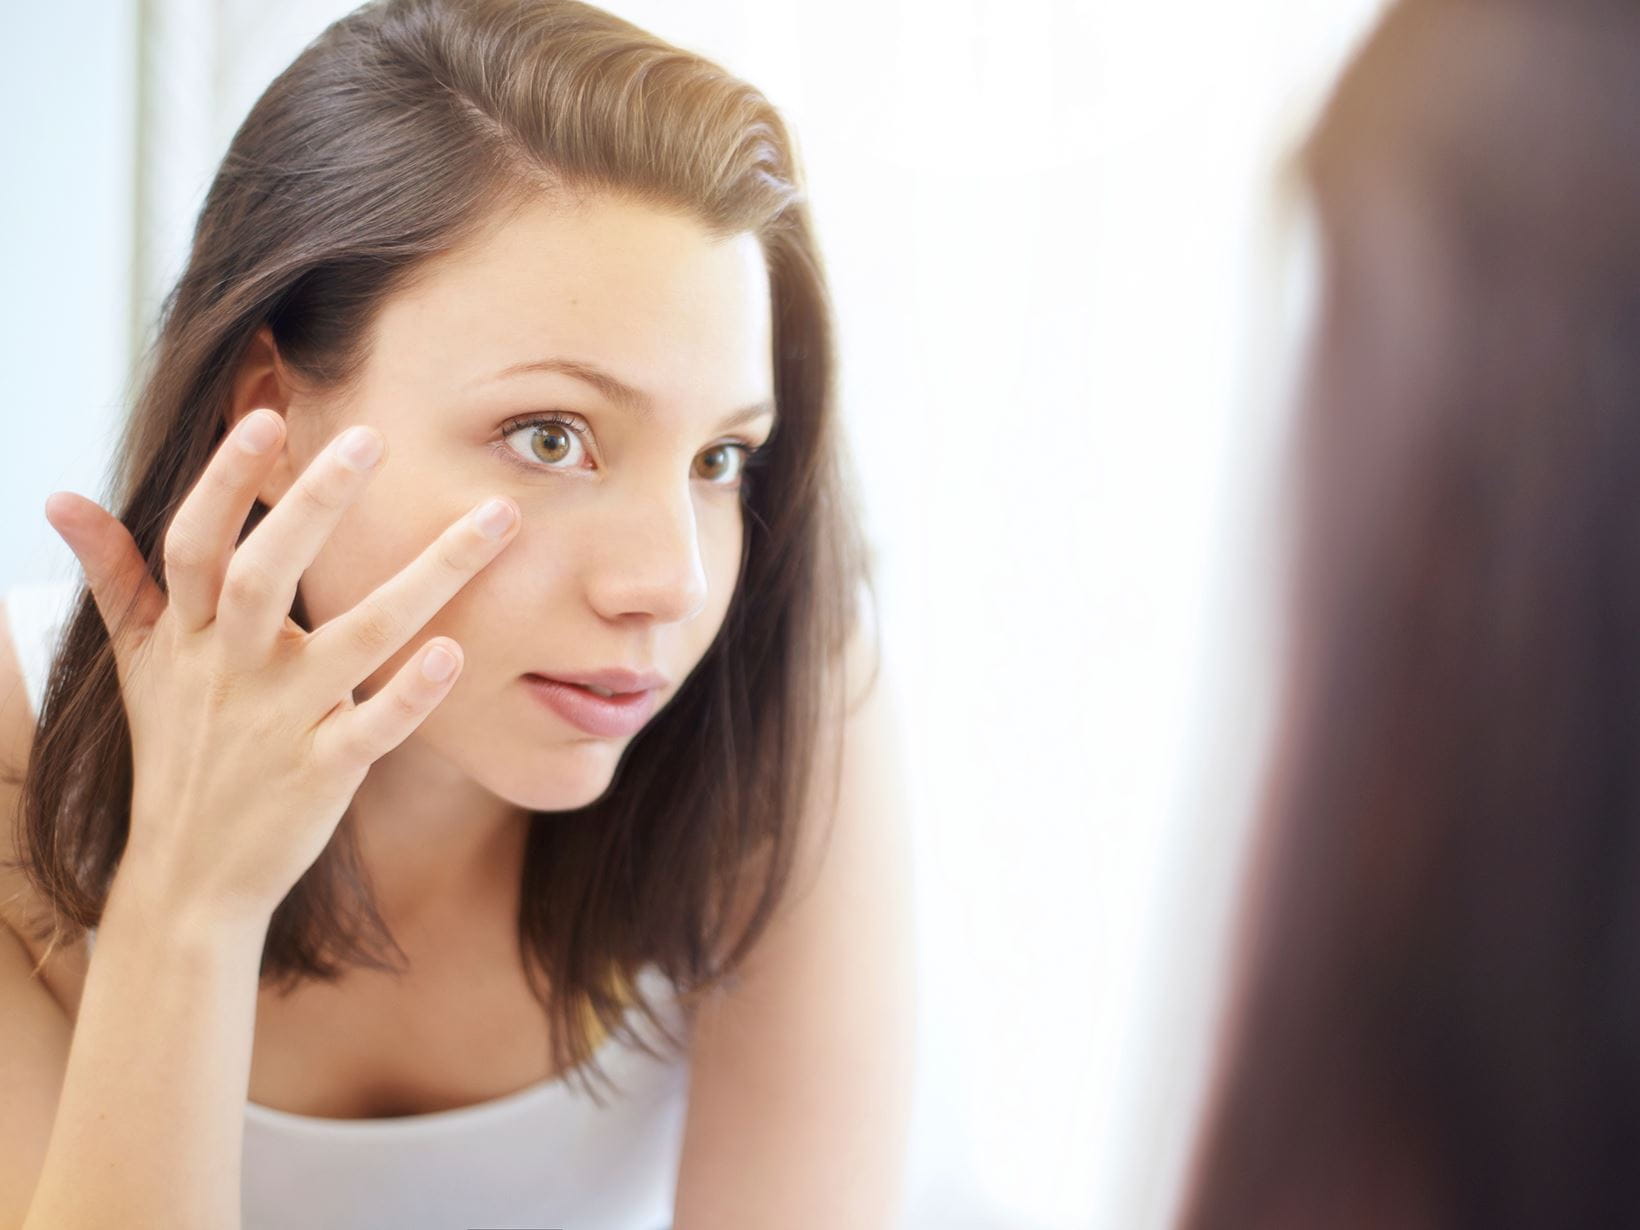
{"points": [[550, 442], [724, 459]]}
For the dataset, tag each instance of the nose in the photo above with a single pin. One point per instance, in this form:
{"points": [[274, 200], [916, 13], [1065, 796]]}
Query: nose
{"points": [[648, 561]]}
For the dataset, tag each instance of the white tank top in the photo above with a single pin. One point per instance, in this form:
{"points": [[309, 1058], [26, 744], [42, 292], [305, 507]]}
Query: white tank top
{"points": [[543, 1157]]}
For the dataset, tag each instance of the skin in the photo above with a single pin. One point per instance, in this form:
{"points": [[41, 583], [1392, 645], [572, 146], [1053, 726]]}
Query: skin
{"points": [[801, 1073], [631, 535]]}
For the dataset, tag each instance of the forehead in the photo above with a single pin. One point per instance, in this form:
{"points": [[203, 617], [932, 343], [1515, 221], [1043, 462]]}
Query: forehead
{"points": [[647, 294]]}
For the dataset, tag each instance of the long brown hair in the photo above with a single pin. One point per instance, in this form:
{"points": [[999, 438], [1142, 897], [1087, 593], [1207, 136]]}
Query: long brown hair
{"points": [[401, 130], [1436, 1019]]}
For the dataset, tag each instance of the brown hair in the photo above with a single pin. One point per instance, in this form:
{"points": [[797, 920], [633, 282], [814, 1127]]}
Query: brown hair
{"points": [[406, 127], [1435, 1019]]}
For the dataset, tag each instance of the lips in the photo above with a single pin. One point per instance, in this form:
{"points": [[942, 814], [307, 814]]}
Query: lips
{"points": [[613, 679], [610, 717]]}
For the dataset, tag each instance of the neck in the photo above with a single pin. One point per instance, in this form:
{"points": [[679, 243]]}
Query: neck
{"points": [[437, 846]]}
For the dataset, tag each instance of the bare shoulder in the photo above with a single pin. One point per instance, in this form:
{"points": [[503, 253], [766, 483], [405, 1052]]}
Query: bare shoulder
{"points": [[16, 742], [16, 715], [20, 906], [35, 1028]]}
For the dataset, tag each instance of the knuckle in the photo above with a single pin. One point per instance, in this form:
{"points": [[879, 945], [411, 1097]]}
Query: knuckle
{"points": [[220, 690], [226, 480], [247, 582], [453, 556], [215, 682], [405, 705], [320, 495], [376, 630], [182, 547], [334, 743], [346, 749]]}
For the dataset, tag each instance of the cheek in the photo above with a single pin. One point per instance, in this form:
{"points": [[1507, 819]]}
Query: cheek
{"points": [[721, 540], [721, 544], [378, 537]]}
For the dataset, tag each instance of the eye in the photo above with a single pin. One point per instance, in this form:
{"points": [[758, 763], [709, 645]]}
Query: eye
{"points": [[549, 440], [724, 465], [556, 442]]}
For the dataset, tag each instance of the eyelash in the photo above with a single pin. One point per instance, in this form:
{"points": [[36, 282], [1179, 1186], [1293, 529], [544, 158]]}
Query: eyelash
{"points": [[753, 455]]}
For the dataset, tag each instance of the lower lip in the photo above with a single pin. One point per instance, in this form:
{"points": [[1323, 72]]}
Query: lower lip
{"points": [[609, 717]]}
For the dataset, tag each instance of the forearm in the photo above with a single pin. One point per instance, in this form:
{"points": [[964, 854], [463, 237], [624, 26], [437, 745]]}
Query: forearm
{"points": [[150, 1123]]}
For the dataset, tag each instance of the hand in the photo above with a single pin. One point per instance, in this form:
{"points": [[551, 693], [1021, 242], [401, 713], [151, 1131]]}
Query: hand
{"points": [[246, 743]]}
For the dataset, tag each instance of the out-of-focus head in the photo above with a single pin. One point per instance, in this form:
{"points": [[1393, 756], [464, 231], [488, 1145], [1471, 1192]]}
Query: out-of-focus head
{"points": [[1438, 982], [1478, 195]]}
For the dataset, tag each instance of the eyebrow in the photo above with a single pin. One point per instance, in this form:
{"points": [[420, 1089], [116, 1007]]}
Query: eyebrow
{"points": [[619, 391]]}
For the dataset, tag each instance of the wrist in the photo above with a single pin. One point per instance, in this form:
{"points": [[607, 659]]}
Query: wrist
{"points": [[143, 899]]}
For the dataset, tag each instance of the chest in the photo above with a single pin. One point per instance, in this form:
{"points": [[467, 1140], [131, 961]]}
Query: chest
{"points": [[459, 1028], [371, 1046]]}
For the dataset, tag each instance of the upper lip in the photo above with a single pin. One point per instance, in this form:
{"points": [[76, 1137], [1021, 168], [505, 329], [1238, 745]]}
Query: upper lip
{"points": [[613, 678]]}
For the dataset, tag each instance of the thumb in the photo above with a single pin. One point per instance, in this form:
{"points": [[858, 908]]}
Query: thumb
{"points": [[115, 570]]}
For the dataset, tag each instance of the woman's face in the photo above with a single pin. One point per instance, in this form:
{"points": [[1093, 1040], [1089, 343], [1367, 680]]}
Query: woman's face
{"points": [[632, 517]]}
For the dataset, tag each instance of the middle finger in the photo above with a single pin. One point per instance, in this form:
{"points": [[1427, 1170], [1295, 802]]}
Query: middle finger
{"points": [[262, 576]]}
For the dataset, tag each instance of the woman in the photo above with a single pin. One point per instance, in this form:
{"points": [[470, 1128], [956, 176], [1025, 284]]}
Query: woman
{"points": [[471, 672], [1437, 1008]]}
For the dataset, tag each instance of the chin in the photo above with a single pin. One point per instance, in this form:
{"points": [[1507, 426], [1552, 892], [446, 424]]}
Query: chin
{"points": [[563, 778]]}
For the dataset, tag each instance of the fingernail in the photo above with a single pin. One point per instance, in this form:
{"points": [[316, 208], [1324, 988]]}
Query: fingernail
{"points": [[360, 447], [257, 432], [494, 518], [438, 664]]}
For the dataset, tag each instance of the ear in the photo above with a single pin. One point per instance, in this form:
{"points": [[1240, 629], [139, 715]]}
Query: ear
{"points": [[262, 380]]}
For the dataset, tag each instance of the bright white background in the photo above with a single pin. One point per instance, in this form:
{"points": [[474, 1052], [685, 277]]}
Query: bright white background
{"points": [[1068, 294]]}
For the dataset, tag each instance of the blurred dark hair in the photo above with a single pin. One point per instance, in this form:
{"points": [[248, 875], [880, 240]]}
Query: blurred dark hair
{"points": [[1436, 1020], [405, 128]]}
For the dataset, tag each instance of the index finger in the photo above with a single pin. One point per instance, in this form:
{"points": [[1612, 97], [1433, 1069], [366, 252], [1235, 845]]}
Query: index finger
{"points": [[201, 537]]}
